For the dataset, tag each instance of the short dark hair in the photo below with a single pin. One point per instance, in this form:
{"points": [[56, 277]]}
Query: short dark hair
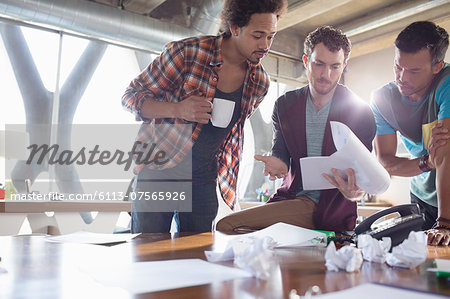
{"points": [[239, 12], [424, 35], [331, 37]]}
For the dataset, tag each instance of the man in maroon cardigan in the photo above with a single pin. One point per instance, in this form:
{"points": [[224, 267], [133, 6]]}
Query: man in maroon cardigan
{"points": [[301, 121]]}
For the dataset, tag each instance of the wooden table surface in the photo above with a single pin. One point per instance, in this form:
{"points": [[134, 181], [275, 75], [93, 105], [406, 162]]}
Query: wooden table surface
{"points": [[40, 269]]}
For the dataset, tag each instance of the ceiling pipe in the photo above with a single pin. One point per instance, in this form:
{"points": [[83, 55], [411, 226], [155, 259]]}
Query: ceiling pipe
{"points": [[103, 22], [395, 13], [206, 18]]}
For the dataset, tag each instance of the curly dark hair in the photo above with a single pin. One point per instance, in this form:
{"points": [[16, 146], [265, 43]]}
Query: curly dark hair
{"points": [[331, 37], [421, 35], [239, 12]]}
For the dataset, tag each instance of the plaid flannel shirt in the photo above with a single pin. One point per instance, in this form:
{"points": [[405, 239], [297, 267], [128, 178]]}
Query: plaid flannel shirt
{"points": [[189, 67]]}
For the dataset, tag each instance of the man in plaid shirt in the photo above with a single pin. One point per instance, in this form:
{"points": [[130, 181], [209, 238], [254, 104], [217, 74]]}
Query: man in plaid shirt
{"points": [[173, 96]]}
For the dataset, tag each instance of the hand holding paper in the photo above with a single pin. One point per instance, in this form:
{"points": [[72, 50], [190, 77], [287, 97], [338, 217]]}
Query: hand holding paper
{"points": [[347, 187], [351, 153]]}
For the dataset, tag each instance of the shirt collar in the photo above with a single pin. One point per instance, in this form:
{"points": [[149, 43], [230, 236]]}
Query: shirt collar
{"points": [[216, 59]]}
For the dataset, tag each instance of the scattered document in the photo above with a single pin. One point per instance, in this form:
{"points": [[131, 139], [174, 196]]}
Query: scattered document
{"points": [[280, 234], [83, 237], [351, 153], [376, 291], [145, 277], [442, 266], [288, 235], [254, 251]]}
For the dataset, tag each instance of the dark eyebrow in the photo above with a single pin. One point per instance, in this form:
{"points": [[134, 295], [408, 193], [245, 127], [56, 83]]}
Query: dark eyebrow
{"points": [[263, 32], [334, 64], [413, 69]]}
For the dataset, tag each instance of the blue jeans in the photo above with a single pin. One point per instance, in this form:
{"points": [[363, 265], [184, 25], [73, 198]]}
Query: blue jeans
{"points": [[204, 210]]}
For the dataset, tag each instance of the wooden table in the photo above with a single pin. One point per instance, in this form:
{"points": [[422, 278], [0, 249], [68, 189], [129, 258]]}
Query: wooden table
{"points": [[39, 269]]}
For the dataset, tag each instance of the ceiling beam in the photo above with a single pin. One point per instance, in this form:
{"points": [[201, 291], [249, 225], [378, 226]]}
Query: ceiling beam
{"points": [[305, 10], [386, 40], [390, 15], [142, 7]]}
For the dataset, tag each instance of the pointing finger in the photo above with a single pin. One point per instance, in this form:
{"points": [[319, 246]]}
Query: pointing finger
{"points": [[261, 158]]}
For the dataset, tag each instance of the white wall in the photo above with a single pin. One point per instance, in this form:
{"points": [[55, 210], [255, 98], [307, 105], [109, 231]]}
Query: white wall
{"points": [[365, 74], [369, 72]]}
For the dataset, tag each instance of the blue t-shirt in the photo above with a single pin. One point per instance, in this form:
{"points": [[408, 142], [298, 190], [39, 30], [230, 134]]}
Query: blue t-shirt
{"points": [[394, 112]]}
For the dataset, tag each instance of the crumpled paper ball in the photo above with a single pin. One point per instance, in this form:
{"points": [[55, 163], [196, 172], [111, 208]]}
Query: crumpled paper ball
{"points": [[250, 253], [410, 253], [374, 250], [348, 258], [255, 255]]}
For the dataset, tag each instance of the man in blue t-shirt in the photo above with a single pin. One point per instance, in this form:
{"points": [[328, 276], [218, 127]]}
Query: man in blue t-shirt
{"points": [[417, 105]]}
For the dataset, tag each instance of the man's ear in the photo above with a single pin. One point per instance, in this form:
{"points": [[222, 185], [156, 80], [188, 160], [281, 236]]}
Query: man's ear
{"points": [[234, 30], [438, 67], [305, 61]]}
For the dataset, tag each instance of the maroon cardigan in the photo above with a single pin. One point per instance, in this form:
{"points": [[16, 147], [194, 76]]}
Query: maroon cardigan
{"points": [[333, 212]]}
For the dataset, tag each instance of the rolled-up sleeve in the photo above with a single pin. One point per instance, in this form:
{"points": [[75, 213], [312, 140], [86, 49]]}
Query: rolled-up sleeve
{"points": [[163, 75]]}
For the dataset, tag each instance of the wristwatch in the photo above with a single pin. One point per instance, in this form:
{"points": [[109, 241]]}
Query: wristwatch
{"points": [[423, 163]]}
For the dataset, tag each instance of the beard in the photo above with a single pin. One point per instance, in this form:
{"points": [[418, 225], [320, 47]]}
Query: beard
{"points": [[255, 59], [405, 89], [323, 87]]}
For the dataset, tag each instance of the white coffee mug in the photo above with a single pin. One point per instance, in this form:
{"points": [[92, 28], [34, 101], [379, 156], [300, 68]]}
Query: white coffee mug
{"points": [[222, 112]]}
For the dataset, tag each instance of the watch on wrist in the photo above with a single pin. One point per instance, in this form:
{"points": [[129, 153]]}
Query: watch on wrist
{"points": [[423, 163]]}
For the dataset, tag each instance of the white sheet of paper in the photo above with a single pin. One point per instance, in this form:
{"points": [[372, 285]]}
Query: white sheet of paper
{"points": [[287, 235], [442, 265], [83, 237], [145, 277], [351, 153], [375, 291]]}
